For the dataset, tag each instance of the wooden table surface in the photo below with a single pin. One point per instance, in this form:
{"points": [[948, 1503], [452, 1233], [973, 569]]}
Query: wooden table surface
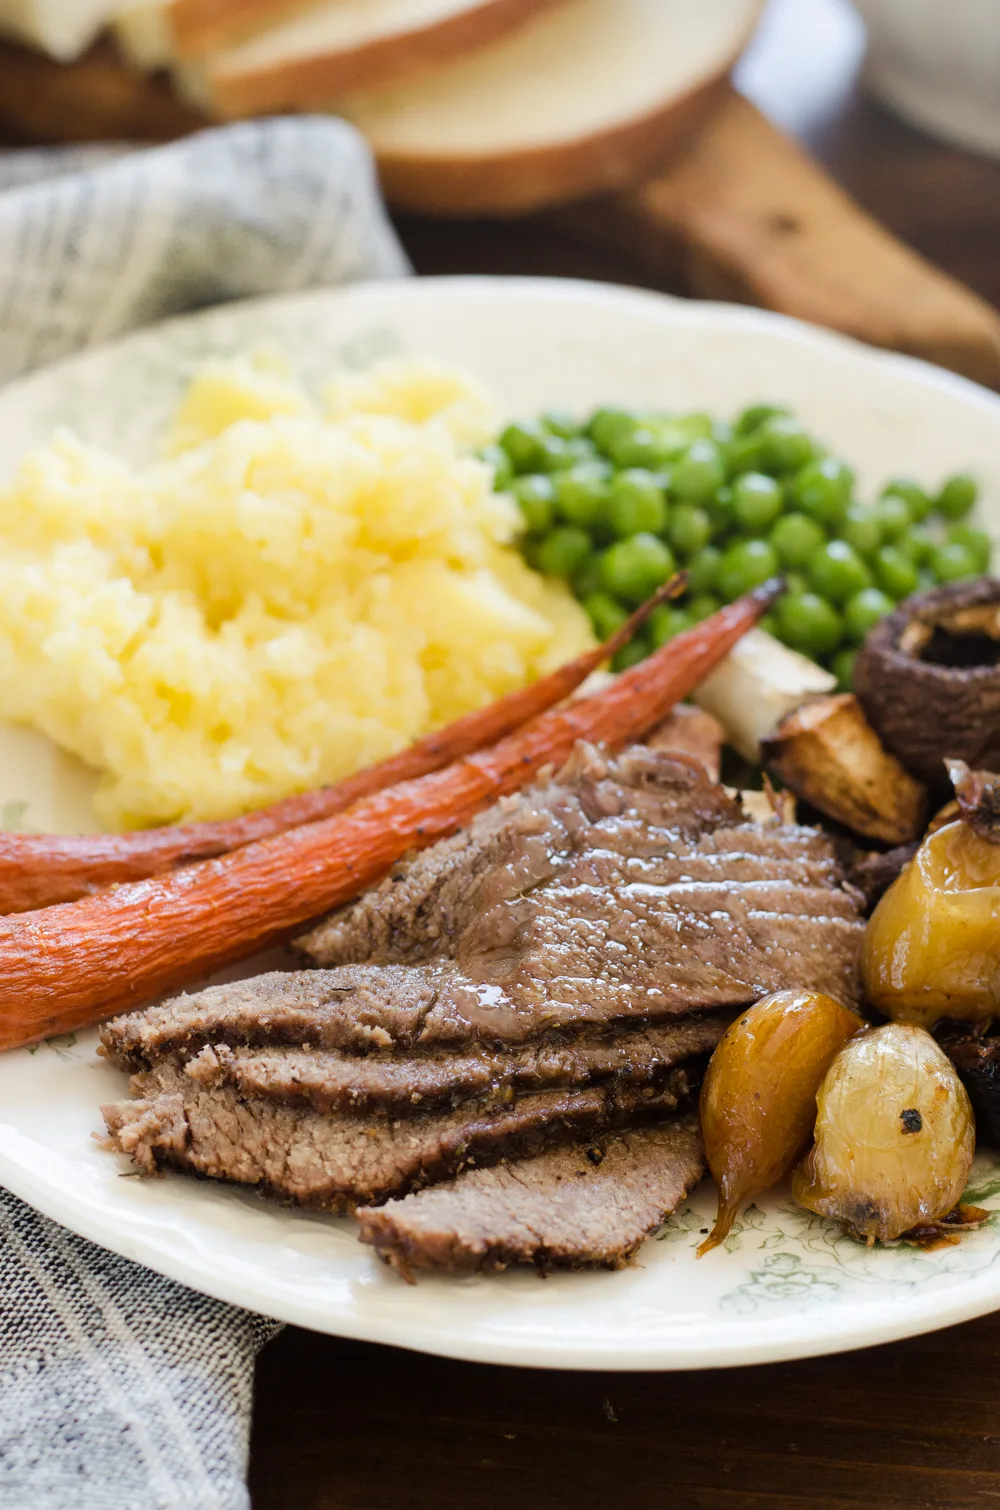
{"points": [[346, 1426]]}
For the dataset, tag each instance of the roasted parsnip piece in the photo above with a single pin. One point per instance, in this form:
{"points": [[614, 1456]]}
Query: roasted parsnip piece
{"points": [[758, 684], [830, 755]]}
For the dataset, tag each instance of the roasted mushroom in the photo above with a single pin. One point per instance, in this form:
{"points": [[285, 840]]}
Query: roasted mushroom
{"points": [[830, 755], [928, 679], [976, 1056]]}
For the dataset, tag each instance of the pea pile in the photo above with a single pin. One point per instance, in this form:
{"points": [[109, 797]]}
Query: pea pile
{"points": [[615, 504]]}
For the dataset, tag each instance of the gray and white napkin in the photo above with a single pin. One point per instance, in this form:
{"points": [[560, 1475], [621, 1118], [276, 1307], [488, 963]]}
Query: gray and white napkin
{"points": [[96, 241], [120, 1390]]}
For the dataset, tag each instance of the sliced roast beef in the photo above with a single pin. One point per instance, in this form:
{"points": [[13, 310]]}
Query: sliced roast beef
{"points": [[631, 888], [353, 1009], [630, 892], [587, 1204], [410, 1084], [341, 1161], [427, 903]]}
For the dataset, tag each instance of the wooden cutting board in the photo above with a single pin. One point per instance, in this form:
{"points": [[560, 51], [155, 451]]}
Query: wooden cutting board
{"points": [[742, 213]]}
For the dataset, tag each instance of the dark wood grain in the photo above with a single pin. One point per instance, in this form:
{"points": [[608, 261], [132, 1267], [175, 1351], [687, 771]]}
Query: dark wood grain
{"points": [[916, 1426], [913, 1426]]}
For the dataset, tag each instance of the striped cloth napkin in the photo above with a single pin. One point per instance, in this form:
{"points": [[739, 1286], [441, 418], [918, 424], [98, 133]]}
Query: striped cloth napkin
{"points": [[120, 1390]]}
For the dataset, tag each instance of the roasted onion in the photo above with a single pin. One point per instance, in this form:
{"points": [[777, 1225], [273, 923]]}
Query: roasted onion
{"points": [[895, 1136], [758, 1101], [932, 946]]}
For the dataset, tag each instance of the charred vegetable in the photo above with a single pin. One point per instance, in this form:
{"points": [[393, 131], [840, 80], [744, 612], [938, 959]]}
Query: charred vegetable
{"points": [[829, 754], [928, 679], [976, 1056], [758, 1100], [895, 1137], [932, 946]]}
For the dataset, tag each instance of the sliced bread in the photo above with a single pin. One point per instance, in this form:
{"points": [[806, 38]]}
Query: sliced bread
{"points": [[589, 96], [156, 33], [62, 28], [341, 46]]}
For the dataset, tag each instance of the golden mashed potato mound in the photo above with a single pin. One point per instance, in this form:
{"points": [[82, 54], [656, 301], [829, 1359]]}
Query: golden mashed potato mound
{"points": [[295, 590]]}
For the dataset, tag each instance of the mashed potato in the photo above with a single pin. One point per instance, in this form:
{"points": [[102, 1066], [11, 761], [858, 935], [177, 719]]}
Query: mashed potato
{"points": [[294, 591]]}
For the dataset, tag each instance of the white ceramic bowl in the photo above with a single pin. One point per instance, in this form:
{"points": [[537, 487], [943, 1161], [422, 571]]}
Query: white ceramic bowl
{"points": [[937, 62]]}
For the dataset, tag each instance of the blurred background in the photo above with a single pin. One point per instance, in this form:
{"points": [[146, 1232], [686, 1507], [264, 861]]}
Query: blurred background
{"points": [[600, 138]]}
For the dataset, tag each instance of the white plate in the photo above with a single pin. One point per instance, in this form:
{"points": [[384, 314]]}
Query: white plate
{"points": [[787, 1285]]}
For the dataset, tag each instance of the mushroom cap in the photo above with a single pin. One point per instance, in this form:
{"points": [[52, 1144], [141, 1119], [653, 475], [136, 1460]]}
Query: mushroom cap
{"points": [[927, 705]]}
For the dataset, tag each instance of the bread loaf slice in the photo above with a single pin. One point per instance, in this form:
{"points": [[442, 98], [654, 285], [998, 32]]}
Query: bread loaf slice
{"points": [[156, 33], [590, 95], [62, 28], [342, 46]]}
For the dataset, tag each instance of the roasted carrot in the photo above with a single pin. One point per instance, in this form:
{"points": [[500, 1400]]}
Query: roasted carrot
{"points": [[68, 966], [39, 870]]}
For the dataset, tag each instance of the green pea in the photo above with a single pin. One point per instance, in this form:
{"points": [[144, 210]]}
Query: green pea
{"points": [[912, 493], [563, 551], [607, 425], [797, 538], [769, 624], [743, 454], [560, 422], [745, 565], [920, 544], [631, 654], [822, 489], [719, 508], [698, 473], [529, 550], [606, 614], [842, 667], [498, 461], [633, 569], [702, 607], [796, 582], [524, 442], [757, 500], [636, 504], [895, 573], [861, 528], [689, 530], [865, 610], [639, 447], [703, 569], [582, 493], [667, 622], [958, 497], [976, 542], [838, 572], [677, 434], [808, 623], [895, 517], [535, 496], [751, 419], [587, 580], [784, 445], [953, 563], [558, 454]]}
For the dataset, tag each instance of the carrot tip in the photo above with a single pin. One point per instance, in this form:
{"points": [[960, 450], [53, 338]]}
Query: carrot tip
{"points": [[768, 593]]}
